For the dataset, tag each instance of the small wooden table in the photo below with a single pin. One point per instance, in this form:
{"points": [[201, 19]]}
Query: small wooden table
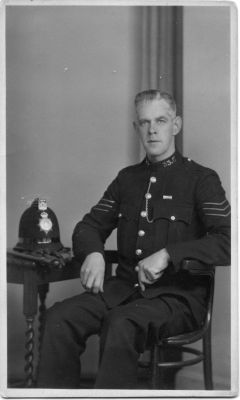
{"points": [[35, 276]]}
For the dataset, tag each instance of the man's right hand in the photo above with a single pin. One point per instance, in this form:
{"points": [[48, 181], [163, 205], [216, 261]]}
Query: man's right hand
{"points": [[92, 272]]}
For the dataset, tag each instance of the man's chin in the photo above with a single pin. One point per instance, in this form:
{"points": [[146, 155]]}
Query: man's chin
{"points": [[154, 154]]}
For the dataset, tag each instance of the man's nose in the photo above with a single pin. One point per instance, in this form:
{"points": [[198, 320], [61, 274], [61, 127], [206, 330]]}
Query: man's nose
{"points": [[152, 128]]}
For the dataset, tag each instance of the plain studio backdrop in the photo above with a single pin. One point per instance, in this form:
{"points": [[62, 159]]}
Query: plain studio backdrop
{"points": [[72, 73]]}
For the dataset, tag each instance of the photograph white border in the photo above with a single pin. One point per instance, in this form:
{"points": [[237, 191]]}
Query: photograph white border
{"points": [[93, 393]]}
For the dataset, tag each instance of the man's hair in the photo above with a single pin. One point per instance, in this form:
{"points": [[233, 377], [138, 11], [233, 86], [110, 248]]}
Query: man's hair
{"points": [[154, 94]]}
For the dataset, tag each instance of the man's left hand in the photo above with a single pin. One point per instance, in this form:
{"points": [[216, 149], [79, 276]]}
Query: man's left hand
{"points": [[151, 268]]}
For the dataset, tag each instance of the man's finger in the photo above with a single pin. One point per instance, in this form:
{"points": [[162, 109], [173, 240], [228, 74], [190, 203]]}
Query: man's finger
{"points": [[149, 276], [98, 284], [145, 280], [95, 289], [137, 269], [140, 278], [101, 286], [84, 274], [89, 282], [141, 284], [145, 272]]}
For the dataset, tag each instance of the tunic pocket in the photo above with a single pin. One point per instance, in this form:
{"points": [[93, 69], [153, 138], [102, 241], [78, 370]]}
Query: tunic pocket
{"points": [[174, 218]]}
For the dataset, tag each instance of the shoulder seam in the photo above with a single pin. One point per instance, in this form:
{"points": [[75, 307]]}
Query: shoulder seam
{"points": [[191, 164]]}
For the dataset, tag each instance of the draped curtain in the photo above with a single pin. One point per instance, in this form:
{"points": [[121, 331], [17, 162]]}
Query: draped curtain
{"points": [[161, 64]]}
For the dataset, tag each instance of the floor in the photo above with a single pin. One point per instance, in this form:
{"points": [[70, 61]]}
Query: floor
{"points": [[182, 383]]}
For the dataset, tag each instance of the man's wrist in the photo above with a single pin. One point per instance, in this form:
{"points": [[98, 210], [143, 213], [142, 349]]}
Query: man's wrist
{"points": [[95, 254], [166, 254]]}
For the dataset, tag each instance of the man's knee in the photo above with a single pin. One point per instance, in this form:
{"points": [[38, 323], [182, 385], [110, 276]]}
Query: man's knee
{"points": [[54, 317], [117, 318], [64, 311], [119, 325]]}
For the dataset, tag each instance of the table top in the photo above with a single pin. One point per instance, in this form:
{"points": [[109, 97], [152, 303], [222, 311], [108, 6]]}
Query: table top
{"points": [[44, 269]]}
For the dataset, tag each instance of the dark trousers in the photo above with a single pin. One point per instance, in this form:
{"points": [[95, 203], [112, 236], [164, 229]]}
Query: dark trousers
{"points": [[124, 333]]}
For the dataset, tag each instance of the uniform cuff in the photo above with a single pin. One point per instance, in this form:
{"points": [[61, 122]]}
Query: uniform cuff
{"points": [[175, 252], [82, 250]]}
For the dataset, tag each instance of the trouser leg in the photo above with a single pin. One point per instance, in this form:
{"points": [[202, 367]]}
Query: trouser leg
{"points": [[125, 333], [118, 353], [67, 327]]}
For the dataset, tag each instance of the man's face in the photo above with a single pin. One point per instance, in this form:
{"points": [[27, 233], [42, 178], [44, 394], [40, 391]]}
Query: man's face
{"points": [[157, 125]]}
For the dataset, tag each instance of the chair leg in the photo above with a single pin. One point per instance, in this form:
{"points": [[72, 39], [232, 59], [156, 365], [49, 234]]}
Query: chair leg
{"points": [[207, 361], [154, 368], [160, 378]]}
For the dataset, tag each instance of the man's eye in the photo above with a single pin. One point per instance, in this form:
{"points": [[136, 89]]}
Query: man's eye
{"points": [[143, 123], [161, 121]]}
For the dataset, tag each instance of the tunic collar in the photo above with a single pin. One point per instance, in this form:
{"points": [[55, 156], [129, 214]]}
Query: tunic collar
{"points": [[168, 162]]}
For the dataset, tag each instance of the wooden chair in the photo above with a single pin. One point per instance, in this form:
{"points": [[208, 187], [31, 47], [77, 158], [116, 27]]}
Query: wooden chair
{"points": [[158, 363]]}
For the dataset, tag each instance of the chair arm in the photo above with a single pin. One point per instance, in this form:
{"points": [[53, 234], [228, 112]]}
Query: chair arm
{"points": [[190, 265], [197, 267]]}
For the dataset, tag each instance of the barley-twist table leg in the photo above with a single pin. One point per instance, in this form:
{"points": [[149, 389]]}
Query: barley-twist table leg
{"points": [[30, 310], [29, 346], [42, 292]]}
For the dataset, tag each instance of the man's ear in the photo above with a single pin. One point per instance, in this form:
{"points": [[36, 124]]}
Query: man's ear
{"points": [[177, 125]]}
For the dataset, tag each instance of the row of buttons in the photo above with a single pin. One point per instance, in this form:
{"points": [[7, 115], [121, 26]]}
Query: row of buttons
{"points": [[143, 213], [152, 180]]}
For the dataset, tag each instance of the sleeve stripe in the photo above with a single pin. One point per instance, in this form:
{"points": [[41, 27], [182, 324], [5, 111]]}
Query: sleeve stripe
{"points": [[216, 204], [100, 209], [111, 201], [104, 205], [217, 209], [219, 215]]}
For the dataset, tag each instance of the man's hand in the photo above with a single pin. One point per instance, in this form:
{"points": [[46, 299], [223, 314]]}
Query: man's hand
{"points": [[151, 268], [92, 272]]}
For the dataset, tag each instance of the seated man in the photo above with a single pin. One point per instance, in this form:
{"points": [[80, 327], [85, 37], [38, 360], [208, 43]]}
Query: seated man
{"points": [[166, 209]]}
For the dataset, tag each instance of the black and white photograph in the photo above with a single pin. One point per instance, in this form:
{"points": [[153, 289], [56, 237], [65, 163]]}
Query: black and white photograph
{"points": [[119, 199]]}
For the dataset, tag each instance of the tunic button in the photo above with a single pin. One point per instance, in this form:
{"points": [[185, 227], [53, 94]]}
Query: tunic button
{"points": [[153, 179], [173, 217], [120, 215], [138, 252], [141, 233], [148, 195], [143, 214]]}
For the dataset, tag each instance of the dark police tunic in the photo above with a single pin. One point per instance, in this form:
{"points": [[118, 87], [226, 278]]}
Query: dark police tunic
{"points": [[176, 204]]}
